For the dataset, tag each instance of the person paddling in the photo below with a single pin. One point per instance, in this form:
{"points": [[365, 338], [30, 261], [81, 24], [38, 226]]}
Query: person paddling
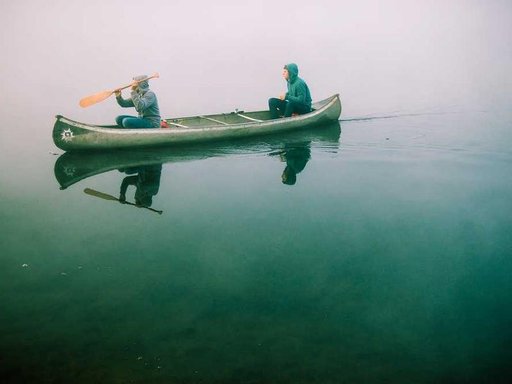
{"points": [[296, 100], [145, 102]]}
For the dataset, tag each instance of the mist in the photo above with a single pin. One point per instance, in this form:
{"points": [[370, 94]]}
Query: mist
{"points": [[380, 56], [385, 260]]}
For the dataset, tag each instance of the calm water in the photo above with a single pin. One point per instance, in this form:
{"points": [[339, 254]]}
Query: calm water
{"points": [[384, 257], [388, 259]]}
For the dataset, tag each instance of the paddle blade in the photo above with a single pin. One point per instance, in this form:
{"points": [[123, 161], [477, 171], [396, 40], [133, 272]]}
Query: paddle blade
{"points": [[101, 195], [93, 99]]}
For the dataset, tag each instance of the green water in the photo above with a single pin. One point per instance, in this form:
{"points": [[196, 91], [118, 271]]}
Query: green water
{"points": [[387, 261]]}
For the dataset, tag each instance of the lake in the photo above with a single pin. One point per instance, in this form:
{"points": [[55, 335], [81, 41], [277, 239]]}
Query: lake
{"points": [[386, 258], [373, 250]]}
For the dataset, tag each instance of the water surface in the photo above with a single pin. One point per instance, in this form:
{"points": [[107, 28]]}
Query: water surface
{"points": [[386, 260]]}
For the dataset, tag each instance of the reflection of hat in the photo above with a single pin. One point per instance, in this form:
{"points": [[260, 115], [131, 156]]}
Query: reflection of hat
{"points": [[289, 176], [143, 84]]}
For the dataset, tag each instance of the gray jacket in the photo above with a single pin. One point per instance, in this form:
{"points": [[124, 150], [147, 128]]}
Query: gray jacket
{"points": [[145, 103]]}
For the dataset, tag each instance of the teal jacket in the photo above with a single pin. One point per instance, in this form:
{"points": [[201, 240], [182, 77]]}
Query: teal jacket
{"points": [[298, 90], [145, 103]]}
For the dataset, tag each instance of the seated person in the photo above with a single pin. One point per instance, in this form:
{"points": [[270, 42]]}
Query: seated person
{"points": [[296, 100], [145, 102]]}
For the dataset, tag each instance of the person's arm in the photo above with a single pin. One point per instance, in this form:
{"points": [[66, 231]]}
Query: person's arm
{"points": [[123, 102], [128, 180], [300, 94]]}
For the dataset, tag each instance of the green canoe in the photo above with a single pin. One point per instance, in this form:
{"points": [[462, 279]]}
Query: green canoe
{"points": [[71, 135]]}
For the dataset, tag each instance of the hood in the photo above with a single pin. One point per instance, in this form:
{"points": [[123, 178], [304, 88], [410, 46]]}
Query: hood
{"points": [[143, 85], [293, 71]]}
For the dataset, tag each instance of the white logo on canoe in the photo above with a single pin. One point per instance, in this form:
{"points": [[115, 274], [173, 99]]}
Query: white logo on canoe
{"points": [[67, 135], [69, 171]]}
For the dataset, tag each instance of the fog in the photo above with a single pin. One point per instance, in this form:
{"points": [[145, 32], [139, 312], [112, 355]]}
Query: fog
{"points": [[381, 56]]}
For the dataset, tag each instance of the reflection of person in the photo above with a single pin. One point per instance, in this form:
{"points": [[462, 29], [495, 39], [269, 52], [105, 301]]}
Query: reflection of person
{"points": [[145, 102], [296, 158], [146, 182], [296, 100]]}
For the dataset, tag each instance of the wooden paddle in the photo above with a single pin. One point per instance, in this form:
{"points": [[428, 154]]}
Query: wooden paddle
{"points": [[96, 98], [105, 196]]}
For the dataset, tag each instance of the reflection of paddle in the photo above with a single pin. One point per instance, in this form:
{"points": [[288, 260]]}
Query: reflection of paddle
{"points": [[105, 196], [96, 98]]}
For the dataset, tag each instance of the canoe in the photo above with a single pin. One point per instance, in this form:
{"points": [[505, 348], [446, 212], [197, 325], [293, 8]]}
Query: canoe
{"points": [[71, 135], [74, 166]]}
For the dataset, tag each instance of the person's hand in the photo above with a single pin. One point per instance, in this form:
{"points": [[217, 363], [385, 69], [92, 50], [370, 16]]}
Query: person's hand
{"points": [[122, 198], [135, 86], [282, 96], [117, 93]]}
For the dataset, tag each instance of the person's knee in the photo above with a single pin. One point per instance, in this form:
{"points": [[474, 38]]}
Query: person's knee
{"points": [[273, 102], [130, 122], [119, 120]]}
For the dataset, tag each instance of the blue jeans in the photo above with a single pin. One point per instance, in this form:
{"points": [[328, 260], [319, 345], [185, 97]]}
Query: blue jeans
{"points": [[127, 121]]}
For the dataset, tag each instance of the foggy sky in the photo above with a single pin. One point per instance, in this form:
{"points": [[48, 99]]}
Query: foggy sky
{"points": [[381, 56]]}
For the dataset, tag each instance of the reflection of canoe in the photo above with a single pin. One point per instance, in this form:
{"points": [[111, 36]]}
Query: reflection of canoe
{"points": [[71, 135], [72, 167]]}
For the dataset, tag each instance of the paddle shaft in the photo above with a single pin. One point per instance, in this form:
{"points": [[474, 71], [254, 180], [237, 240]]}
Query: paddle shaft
{"points": [[106, 196], [100, 96], [136, 82]]}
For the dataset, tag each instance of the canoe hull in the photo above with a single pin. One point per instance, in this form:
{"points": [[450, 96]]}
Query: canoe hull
{"points": [[71, 135]]}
